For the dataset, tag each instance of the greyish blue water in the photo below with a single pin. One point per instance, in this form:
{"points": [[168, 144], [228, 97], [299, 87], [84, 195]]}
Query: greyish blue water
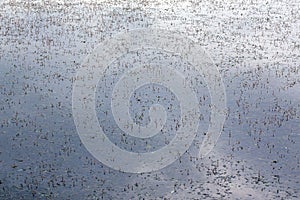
{"points": [[255, 46]]}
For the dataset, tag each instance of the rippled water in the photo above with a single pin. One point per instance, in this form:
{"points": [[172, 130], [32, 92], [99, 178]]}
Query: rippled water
{"points": [[255, 46]]}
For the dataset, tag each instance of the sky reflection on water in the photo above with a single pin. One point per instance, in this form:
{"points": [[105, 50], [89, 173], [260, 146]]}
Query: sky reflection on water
{"points": [[256, 48]]}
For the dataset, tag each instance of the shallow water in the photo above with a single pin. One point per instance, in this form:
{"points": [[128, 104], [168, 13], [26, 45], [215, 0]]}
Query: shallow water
{"points": [[255, 47]]}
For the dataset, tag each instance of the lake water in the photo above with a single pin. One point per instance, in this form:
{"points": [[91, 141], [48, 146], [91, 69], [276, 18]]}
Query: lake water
{"points": [[255, 46]]}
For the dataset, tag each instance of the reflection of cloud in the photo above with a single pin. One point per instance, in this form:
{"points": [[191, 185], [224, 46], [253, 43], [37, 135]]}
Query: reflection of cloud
{"points": [[225, 177], [254, 43]]}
